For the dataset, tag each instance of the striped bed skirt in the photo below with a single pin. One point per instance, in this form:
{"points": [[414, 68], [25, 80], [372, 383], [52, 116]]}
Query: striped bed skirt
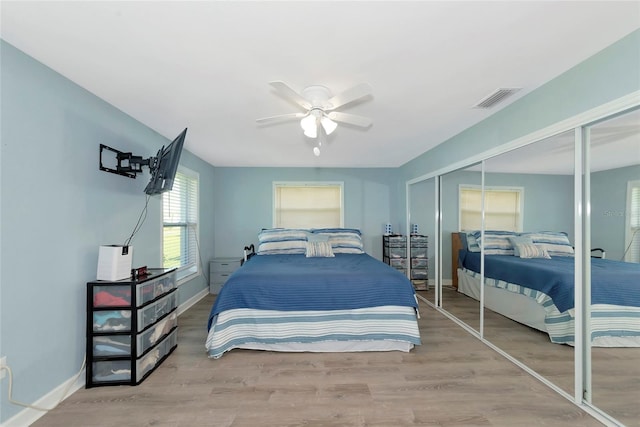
{"points": [[385, 328], [611, 325]]}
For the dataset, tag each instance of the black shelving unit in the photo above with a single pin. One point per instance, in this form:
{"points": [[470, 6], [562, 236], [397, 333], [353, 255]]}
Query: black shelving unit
{"points": [[419, 254], [394, 253], [132, 327]]}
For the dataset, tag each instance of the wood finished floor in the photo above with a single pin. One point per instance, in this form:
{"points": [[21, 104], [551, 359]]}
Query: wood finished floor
{"points": [[615, 371], [452, 379]]}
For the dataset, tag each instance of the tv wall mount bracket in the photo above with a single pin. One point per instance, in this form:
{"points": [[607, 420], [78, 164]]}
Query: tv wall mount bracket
{"points": [[127, 164]]}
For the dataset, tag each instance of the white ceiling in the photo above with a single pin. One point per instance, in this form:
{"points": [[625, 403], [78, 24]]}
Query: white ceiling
{"points": [[206, 65]]}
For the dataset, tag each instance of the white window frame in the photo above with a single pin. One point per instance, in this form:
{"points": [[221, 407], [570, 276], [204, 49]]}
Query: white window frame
{"points": [[185, 274], [277, 184], [495, 188], [630, 231]]}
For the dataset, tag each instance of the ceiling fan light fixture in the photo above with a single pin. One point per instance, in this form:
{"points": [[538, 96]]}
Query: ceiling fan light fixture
{"points": [[309, 126], [328, 125], [320, 107]]}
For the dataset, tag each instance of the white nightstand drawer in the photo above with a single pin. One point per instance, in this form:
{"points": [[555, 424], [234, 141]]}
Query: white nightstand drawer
{"points": [[219, 271], [224, 265], [220, 277]]}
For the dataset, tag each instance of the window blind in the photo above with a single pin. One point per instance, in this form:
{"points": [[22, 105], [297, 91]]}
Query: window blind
{"points": [[180, 225], [308, 205], [503, 208]]}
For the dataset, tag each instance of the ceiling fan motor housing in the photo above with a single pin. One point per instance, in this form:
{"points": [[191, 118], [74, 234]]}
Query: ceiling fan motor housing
{"points": [[318, 96]]}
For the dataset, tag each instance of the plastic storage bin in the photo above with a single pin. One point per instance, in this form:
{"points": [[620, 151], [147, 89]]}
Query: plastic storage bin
{"points": [[151, 336]]}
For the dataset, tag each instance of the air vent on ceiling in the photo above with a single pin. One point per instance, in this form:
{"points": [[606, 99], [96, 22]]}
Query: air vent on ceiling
{"points": [[495, 97]]}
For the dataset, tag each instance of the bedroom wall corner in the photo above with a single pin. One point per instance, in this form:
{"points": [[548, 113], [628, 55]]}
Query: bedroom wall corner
{"points": [[56, 209]]}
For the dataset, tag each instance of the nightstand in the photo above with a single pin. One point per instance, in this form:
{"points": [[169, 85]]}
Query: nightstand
{"points": [[219, 271]]}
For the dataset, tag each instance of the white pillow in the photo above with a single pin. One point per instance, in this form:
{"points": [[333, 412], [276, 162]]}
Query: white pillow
{"points": [[529, 250], [515, 240], [319, 249]]}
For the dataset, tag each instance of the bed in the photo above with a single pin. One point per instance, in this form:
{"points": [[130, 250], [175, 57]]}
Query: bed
{"points": [[536, 287], [313, 290]]}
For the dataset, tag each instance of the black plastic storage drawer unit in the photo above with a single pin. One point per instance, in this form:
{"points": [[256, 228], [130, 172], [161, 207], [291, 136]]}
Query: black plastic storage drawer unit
{"points": [[132, 326]]}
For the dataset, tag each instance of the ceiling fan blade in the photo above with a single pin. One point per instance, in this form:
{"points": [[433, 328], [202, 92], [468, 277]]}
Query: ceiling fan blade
{"points": [[350, 95], [286, 91], [350, 119], [281, 117]]}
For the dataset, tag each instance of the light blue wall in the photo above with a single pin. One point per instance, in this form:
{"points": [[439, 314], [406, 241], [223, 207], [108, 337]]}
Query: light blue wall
{"points": [[244, 202], [608, 206], [57, 209]]}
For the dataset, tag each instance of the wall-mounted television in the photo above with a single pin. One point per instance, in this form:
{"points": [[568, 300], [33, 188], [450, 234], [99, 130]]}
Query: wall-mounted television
{"points": [[163, 173], [163, 166]]}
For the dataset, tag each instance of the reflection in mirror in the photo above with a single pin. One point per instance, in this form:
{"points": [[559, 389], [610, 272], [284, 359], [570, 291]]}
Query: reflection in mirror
{"points": [[529, 227], [422, 213], [615, 224], [455, 211]]}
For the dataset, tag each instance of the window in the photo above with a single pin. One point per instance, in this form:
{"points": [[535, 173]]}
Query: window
{"points": [[180, 224], [502, 208], [632, 238], [308, 204]]}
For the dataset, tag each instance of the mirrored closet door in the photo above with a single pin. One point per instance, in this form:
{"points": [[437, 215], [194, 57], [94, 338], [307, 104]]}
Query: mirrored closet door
{"points": [[529, 198], [567, 194], [422, 220], [458, 213], [614, 192]]}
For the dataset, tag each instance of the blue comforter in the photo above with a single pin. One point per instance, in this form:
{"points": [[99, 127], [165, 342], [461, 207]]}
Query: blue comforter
{"points": [[612, 282], [295, 282]]}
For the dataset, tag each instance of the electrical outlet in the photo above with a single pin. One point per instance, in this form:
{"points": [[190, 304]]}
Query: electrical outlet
{"points": [[3, 363]]}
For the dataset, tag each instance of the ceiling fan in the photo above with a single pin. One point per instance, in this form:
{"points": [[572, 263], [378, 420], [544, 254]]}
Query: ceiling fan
{"points": [[320, 115]]}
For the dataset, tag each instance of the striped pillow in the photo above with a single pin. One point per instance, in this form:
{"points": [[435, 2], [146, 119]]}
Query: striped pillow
{"points": [[556, 243], [496, 242], [472, 242], [343, 240], [529, 250], [319, 249], [276, 241]]}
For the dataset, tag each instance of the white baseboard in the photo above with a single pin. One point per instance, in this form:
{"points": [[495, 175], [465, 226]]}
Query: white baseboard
{"points": [[192, 301], [29, 416]]}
